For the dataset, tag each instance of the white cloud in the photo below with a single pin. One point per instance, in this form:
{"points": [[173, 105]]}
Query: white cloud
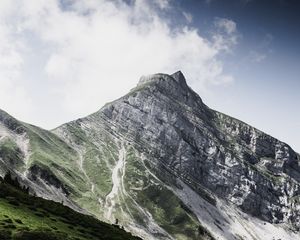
{"points": [[13, 96], [225, 36], [225, 24], [163, 4], [93, 51]]}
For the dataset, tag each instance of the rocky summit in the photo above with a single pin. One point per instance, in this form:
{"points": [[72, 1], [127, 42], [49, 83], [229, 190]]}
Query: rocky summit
{"points": [[163, 165]]}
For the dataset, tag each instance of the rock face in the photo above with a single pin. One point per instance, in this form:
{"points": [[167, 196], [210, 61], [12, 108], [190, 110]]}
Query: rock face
{"points": [[166, 166]]}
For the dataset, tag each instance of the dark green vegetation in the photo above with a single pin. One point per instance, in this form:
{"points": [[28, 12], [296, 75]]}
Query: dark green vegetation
{"points": [[26, 217]]}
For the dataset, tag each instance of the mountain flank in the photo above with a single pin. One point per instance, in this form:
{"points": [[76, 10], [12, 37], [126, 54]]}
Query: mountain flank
{"points": [[164, 164]]}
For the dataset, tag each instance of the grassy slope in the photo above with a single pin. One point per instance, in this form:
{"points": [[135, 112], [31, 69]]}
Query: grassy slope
{"points": [[27, 217], [51, 152], [97, 164]]}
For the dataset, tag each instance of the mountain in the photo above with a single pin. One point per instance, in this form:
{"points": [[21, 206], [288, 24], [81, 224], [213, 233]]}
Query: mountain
{"points": [[164, 165]]}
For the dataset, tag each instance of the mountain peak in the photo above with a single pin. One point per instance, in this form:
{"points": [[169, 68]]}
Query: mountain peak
{"points": [[177, 77], [173, 85]]}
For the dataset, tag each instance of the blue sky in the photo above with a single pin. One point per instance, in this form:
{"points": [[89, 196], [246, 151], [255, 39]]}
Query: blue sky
{"points": [[64, 59]]}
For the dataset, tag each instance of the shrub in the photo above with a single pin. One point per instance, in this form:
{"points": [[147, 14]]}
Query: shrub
{"points": [[10, 226], [7, 220], [5, 235], [14, 202], [38, 235], [18, 221]]}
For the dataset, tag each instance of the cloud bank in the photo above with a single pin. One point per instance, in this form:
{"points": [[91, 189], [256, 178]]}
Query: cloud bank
{"points": [[64, 59]]}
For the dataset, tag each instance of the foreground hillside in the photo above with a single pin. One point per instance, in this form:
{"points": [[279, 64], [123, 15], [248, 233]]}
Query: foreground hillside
{"points": [[25, 217], [164, 164]]}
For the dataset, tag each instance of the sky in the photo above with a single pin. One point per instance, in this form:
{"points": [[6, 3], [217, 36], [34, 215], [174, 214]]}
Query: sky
{"points": [[64, 59]]}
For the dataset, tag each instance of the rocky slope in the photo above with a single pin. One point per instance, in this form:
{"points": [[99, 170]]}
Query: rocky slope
{"points": [[164, 164]]}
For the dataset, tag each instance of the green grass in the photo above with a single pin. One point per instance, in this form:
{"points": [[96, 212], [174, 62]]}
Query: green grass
{"points": [[97, 164], [25, 217], [98, 170]]}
